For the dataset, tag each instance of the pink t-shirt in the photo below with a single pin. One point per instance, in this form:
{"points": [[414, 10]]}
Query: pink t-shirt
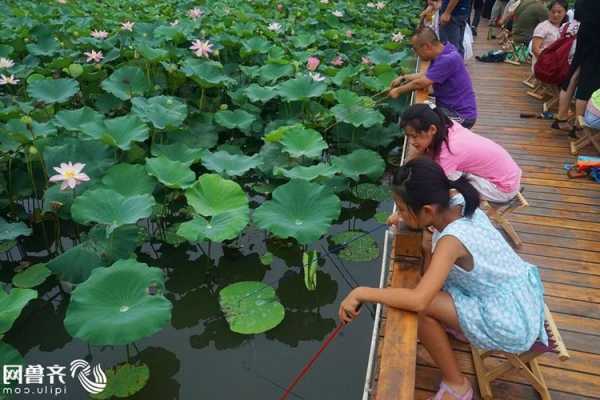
{"points": [[474, 154]]}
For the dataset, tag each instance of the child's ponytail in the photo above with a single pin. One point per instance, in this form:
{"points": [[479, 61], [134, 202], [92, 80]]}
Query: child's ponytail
{"points": [[470, 194]]}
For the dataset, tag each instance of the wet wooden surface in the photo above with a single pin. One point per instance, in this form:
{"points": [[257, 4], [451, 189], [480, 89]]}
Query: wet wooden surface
{"points": [[560, 230]]}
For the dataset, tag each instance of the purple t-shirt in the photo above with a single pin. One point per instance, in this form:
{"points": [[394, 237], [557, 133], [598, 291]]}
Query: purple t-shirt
{"points": [[452, 85]]}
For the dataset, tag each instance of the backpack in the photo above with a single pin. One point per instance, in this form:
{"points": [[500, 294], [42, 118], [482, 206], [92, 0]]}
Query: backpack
{"points": [[552, 66]]}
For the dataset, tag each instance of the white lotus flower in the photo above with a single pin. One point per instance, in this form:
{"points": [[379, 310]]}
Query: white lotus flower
{"points": [[8, 80], [175, 23], [99, 34], [315, 76], [338, 13], [324, 1], [6, 63], [127, 26], [380, 5], [70, 174], [275, 27], [371, 5], [195, 13], [397, 37]]}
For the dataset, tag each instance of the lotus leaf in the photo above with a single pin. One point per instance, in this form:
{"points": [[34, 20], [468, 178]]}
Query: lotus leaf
{"points": [[76, 264], [206, 73], [178, 152], [128, 180], [32, 276], [53, 90], [370, 191], [258, 93], [298, 209], [302, 88], [162, 111], [11, 305], [308, 173], [172, 174], [72, 120], [96, 156], [12, 231], [230, 164], [238, 119], [124, 381], [310, 263], [381, 56], [251, 307], [352, 110], [360, 162], [126, 83], [119, 304], [8, 356], [345, 75], [110, 208], [212, 195], [224, 226], [255, 45], [360, 250], [45, 46], [272, 72], [121, 243], [120, 132], [299, 141], [267, 258]]}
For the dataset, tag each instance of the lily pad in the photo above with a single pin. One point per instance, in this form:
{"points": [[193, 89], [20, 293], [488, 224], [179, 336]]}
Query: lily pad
{"points": [[178, 152], [76, 264], [172, 174], [267, 258], [260, 94], [360, 162], [124, 380], [206, 73], [12, 231], [310, 264], [230, 164], [119, 132], [53, 90], [299, 141], [381, 217], [119, 305], [110, 208], [238, 119], [128, 179], [371, 191], [212, 195], [352, 110], [161, 111], [96, 156], [360, 250], [32, 276], [251, 307], [72, 120], [224, 226], [308, 173], [299, 209], [11, 305], [126, 83], [302, 88], [273, 72]]}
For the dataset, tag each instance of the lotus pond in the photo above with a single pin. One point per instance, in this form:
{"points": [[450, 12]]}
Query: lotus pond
{"points": [[173, 178]]}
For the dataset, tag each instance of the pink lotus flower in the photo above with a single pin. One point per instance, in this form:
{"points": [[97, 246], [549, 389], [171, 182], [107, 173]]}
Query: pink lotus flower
{"points": [[99, 34], [349, 34], [6, 63], [202, 48], [397, 37], [366, 60], [8, 80], [70, 174], [95, 56], [338, 61], [195, 13], [313, 63], [380, 5], [127, 26], [315, 76], [338, 13]]}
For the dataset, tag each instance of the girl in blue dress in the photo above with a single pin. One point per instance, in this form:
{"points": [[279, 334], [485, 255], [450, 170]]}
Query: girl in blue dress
{"points": [[475, 284]]}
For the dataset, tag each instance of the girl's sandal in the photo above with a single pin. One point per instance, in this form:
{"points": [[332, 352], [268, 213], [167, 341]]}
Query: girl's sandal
{"points": [[562, 125], [445, 389]]}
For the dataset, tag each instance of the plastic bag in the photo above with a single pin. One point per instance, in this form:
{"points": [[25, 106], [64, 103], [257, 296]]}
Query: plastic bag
{"points": [[468, 42]]}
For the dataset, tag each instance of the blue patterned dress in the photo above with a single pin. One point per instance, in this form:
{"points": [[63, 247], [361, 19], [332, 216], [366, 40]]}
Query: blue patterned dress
{"points": [[500, 302]]}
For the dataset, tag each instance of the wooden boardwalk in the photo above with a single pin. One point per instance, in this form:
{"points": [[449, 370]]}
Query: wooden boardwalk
{"points": [[561, 234]]}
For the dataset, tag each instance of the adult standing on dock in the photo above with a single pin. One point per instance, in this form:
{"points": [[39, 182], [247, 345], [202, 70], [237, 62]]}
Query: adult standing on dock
{"points": [[453, 20], [447, 74]]}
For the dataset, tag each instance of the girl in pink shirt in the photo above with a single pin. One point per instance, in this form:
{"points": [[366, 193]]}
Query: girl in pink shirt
{"points": [[487, 165]]}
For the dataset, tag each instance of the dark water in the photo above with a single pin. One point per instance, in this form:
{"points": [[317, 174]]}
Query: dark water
{"points": [[198, 357]]}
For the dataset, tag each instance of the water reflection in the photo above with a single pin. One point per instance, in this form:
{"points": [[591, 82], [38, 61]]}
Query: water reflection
{"points": [[293, 294], [217, 331], [164, 365], [300, 326], [193, 306]]}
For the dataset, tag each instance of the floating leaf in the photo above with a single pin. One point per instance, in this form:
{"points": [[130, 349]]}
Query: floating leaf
{"points": [[206, 73], [258, 93], [381, 217], [96, 156], [172, 174], [360, 162], [310, 263], [212, 195], [178, 152], [119, 305], [110, 208], [12, 231], [120, 132], [32, 276], [302, 88], [72, 120], [298, 209], [162, 111], [251, 307], [381, 56], [352, 110], [272, 72], [371, 191], [224, 226], [360, 250], [308, 173], [255, 45], [267, 258], [299, 141], [45, 46], [128, 180], [124, 381], [76, 264], [8, 356], [238, 119], [11, 305], [53, 90], [230, 164], [126, 83]]}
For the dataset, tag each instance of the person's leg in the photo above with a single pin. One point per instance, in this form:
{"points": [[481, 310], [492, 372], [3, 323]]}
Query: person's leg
{"points": [[451, 32], [564, 99], [477, 8]]}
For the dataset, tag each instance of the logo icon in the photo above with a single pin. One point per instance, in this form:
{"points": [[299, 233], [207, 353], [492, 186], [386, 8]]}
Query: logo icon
{"points": [[91, 386]]}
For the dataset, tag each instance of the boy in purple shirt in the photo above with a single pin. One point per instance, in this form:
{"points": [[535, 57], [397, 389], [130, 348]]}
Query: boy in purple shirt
{"points": [[447, 74]]}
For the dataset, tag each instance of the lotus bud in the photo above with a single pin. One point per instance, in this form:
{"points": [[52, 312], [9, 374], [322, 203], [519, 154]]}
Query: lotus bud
{"points": [[26, 119], [280, 7], [156, 87], [216, 53], [33, 150], [223, 107]]}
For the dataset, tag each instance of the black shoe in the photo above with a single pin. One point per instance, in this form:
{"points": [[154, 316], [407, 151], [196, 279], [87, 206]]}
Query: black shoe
{"points": [[474, 31]]}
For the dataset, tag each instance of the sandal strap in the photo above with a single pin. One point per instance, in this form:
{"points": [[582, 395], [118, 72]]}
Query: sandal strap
{"points": [[445, 389]]}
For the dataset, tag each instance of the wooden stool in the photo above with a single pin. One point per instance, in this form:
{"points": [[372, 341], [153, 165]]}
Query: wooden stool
{"points": [[525, 363], [498, 213], [590, 136], [531, 81]]}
